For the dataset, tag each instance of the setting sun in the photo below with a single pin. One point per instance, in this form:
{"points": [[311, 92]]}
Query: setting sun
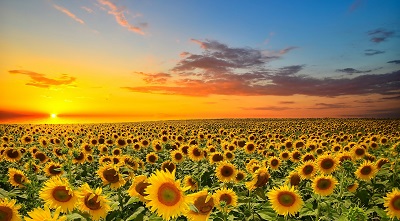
{"points": [[53, 115]]}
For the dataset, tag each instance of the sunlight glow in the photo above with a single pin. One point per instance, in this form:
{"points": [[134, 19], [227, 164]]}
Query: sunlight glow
{"points": [[53, 115]]}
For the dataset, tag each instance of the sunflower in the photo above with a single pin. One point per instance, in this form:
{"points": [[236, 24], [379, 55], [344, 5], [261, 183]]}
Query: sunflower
{"points": [[344, 156], [225, 198], [151, 157], [9, 210], [295, 156], [392, 204], [121, 142], [229, 155], [249, 148], [274, 163], [42, 157], [285, 200], [138, 187], [168, 165], [381, 162], [240, 176], [165, 195], [260, 179], [177, 156], [204, 205], [216, 157], [116, 151], [12, 154], [103, 149], [294, 178], [352, 187], [188, 181], [195, 153], [358, 152], [366, 171], [92, 202], [307, 170], [53, 169], [39, 214], [87, 148], [308, 157], [17, 178], [26, 139], [79, 157], [285, 155], [327, 163], [324, 185], [57, 192], [131, 163], [109, 174], [157, 146], [226, 172]]}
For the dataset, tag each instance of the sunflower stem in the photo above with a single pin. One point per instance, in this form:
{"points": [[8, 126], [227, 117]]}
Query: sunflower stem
{"points": [[120, 201], [318, 208], [395, 170]]}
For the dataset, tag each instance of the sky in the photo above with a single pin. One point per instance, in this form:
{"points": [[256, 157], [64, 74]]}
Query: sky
{"points": [[134, 60]]}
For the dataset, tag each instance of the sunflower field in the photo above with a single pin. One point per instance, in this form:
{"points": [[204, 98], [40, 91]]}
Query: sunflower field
{"points": [[231, 169]]}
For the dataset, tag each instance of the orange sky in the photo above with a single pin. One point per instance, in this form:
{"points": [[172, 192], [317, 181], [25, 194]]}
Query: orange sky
{"points": [[109, 61]]}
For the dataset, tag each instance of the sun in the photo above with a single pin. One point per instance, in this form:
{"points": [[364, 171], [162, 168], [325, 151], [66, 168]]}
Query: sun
{"points": [[53, 115]]}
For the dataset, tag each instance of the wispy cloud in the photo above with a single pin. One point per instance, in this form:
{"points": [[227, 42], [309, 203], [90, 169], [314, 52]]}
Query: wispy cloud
{"points": [[380, 35], [394, 62], [268, 108], [87, 9], [370, 52], [156, 78], [352, 71], [118, 13], [67, 12], [40, 80], [329, 106], [223, 70], [356, 4]]}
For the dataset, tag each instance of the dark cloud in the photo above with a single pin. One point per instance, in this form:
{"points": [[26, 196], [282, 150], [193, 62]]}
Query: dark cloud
{"points": [[40, 80], [379, 113], [329, 106], [370, 52], [351, 71], [287, 102], [392, 98], [222, 70], [394, 62], [380, 35]]}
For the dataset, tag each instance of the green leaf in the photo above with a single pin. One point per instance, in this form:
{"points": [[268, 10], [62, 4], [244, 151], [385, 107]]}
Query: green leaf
{"points": [[75, 216], [136, 213], [132, 200], [266, 214]]}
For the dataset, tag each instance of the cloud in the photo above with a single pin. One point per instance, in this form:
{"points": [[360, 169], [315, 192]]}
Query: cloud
{"points": [[329, 106], [287, 102], [67, 12], [394, 62], [269, 108], [370, 52], [223, 70], [380, 35], [379, 113], [356, 4], [88, 10], [352, 71], [118, 13], [157, 78], [40, 80]]}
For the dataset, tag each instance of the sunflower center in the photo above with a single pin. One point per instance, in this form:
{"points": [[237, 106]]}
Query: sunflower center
{"points": [[295, 180], [168, 166], [121, 142], [168, 194], [296, 155], [262, 179], [274, 162], [6, 213], [327, 163], [239, 176], [324, 184], [53, 169], [152, 158], [92, 203], [116, 152], [360, 151], [88, 148], [203, 206], [286, 199], [18, 178], [141, 187], [308, 157], [111, 175], [40, 156], [12, 153], [307, 170], [366, 170], [80, 156], [250, 147], [226, 197], [396, 203], [61, 194], [196, 152], [217, 157], [226, 171], [178, 156], [229, 155]]}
